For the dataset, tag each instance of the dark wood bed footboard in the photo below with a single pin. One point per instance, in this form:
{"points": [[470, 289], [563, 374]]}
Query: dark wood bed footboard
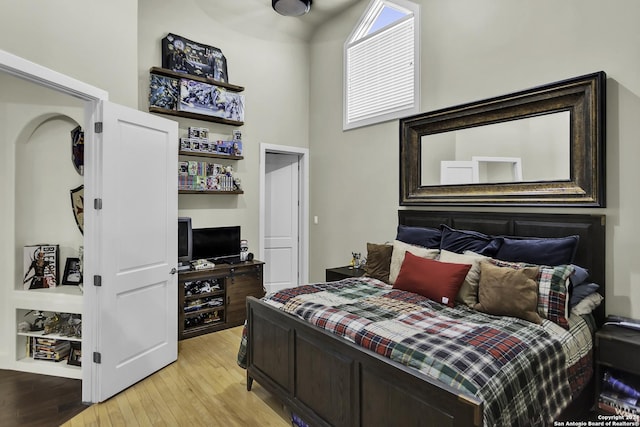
{"points": [[329, 381]]}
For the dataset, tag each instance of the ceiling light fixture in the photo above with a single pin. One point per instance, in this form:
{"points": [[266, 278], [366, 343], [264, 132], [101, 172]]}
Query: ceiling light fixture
{"points": [[291, 7]]}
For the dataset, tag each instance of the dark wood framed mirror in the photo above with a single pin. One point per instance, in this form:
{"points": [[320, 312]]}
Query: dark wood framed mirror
{"points": [[543, 146]]}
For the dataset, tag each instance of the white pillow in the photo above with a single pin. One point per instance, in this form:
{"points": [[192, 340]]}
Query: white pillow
{"points": [[468, 293], [397, 257], [588, 304]]}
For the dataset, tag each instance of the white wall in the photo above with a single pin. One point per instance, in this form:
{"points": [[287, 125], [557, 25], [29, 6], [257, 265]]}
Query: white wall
{"points": [[91, 40], [474, 50], [271, 65]]}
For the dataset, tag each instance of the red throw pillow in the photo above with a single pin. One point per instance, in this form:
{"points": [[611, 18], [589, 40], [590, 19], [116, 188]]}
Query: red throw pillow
{"points": [[436, 280]]}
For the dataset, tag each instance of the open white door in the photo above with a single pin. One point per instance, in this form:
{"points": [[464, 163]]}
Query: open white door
{"points": [[137, 325]]}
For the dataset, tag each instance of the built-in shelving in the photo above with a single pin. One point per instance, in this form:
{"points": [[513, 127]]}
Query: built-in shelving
{"points": [[59, 301]]}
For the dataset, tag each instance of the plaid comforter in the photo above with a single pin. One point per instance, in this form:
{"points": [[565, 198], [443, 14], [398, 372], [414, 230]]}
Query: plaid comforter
{"points": [[521, 371]]}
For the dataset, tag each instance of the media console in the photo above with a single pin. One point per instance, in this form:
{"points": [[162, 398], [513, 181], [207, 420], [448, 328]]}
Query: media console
{"points": [[213, 299]]}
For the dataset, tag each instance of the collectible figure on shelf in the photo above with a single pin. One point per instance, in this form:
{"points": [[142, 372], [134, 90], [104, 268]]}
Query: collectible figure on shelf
{"points": [[163, 92], [41, 266], [232, 148], [357, 261], [198, 132], [244, 249], [75, 325], [236, 148], [38, 323], [185, 144], [213, 183]]}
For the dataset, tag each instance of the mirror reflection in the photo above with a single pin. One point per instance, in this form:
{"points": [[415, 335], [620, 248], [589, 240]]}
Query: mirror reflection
{"points": [[531, 149]]}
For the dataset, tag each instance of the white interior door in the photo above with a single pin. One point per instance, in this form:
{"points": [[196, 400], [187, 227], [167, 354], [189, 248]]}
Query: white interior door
{"points": [[281, 221], [137, 325]]}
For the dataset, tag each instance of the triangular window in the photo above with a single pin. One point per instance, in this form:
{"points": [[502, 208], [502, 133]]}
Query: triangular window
{"points": [[385, 15]]}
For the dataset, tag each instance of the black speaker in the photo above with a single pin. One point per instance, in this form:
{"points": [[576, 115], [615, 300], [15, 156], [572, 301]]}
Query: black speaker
{"points": [[250, 256]]}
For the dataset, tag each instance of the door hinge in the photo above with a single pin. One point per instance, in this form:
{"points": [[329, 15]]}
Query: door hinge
{"points": [[97, 280], [97, 127], [97, 204], [97, 357]]}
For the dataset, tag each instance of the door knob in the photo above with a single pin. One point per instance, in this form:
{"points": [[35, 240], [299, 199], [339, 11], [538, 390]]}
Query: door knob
{"points": [[173, 271]]}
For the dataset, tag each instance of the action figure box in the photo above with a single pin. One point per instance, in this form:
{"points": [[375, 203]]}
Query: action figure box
{"points": [[231, 148], [186, 56], [183, 168], [210, 100], [40, 266], [163, 92], [198, 132], [185, 144], [229, 105], [196, 97], [235, 107]]}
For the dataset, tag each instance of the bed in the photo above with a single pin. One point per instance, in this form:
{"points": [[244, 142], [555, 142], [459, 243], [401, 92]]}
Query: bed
{"points": [[328, 379]]}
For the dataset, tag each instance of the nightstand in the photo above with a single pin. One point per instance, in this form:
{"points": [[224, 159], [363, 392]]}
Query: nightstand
{"points": [[339, 273], [616, 352]]}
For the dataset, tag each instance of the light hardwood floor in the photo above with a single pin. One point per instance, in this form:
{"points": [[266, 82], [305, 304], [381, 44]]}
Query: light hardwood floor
{"points": [[204, 387]]}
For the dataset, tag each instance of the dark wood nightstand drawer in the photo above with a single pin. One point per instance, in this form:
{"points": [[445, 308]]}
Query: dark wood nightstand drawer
{"points": [[618, 348]]}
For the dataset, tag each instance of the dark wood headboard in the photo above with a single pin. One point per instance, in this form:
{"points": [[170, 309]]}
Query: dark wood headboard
{"points": [[590, 229]]}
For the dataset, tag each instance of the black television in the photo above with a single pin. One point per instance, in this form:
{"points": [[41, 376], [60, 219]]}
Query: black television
{"points": [[185, 242], [220, 244]]}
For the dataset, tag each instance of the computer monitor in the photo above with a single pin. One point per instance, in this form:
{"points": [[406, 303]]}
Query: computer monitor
{"points": [[216, 243]]}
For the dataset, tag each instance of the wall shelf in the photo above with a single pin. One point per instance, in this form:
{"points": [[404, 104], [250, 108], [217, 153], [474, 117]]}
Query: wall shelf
{"points": [[48, 367], [210, 155], [66, 299], [210, 192], [177, 75], [195, 116], [41, 334]]}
